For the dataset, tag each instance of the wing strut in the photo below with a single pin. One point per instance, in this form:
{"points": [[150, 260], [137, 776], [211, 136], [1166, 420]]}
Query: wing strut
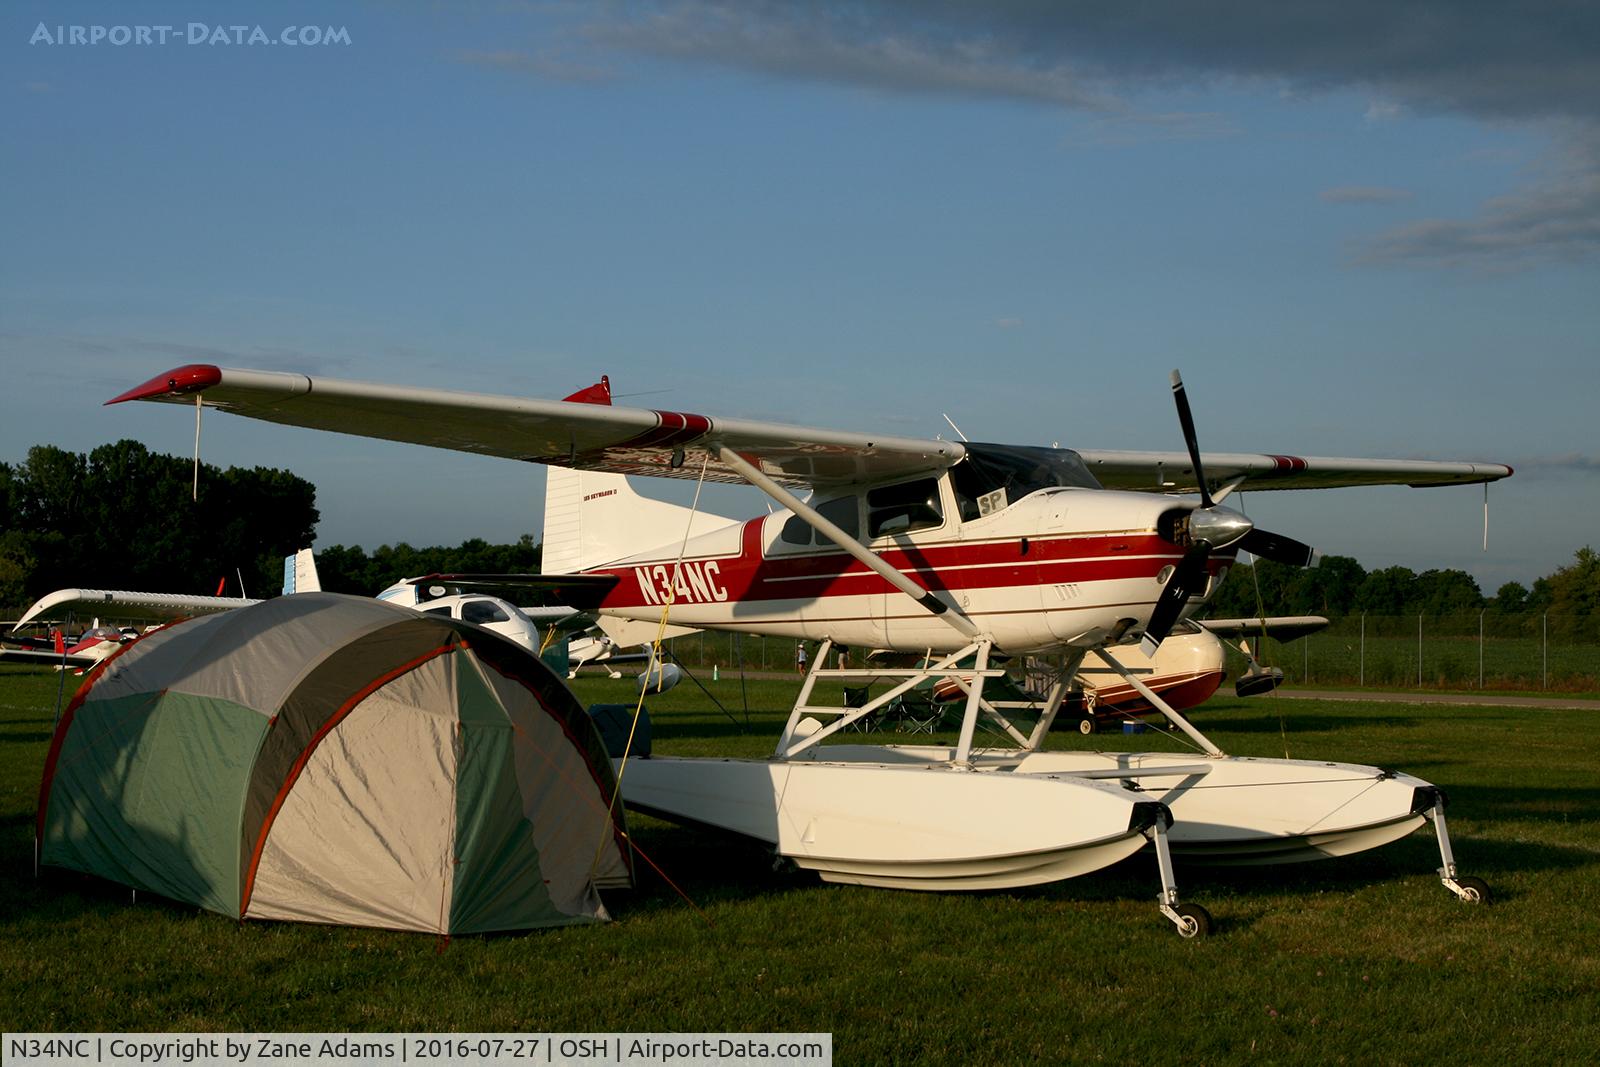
{"points": [[195, 493], [856, 549], [1160, 705]]}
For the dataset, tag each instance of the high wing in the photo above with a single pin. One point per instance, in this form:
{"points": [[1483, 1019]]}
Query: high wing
{"points": [[1172, 472], [672, 444], [675, 444], [124, 604]]}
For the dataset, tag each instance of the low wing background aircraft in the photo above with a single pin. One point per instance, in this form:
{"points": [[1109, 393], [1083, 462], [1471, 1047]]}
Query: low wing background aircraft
{"points": [[299, 571], [85, 650], [958, 549]]}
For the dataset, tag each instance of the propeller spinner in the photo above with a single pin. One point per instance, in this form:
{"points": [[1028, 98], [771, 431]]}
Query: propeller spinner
{"points": [[1211, 527]]}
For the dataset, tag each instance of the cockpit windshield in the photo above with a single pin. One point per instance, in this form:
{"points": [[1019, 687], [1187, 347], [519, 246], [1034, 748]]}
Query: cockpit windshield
{"points": [[992, 477]]}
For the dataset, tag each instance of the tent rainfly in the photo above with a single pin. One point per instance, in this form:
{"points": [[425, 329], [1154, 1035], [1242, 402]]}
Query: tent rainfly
{"points": [[334, 759]]}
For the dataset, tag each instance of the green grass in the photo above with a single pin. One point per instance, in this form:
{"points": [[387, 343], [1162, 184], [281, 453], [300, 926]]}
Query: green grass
{"points": [[1365, 959]]}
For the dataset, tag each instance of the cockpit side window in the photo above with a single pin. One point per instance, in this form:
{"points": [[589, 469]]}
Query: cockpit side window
{"points": [[893, 509], [991, 478], [483, 611]]}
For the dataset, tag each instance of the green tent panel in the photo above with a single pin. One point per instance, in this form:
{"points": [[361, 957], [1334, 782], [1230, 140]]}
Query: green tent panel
{"points": [[168, 770], [334, 759]]}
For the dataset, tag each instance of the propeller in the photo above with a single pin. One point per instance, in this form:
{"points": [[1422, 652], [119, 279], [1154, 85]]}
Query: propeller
{"points": [[1211, 526]]}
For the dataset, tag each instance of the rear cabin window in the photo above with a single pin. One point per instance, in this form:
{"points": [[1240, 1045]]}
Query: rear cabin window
{"points": [[901, 508], [482, 611], [445, 611], [842, 511]]}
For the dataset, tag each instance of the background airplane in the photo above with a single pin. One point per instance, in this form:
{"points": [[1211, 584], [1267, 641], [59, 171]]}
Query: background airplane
{"points": [[83, 651], [1186, 670]]}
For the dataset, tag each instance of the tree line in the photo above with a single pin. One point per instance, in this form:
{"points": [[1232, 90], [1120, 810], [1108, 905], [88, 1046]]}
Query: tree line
{"points": [[123, 517], [1341, 586], [352, 569]]}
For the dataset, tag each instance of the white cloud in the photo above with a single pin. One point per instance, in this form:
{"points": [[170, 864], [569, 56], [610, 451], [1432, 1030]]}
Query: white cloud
{"points": [[1556, 218], [1382, 111], [1363, 194]]}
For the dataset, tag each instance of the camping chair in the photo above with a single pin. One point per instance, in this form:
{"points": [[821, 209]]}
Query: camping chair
{"points": [[915, 712], [856, 696]]}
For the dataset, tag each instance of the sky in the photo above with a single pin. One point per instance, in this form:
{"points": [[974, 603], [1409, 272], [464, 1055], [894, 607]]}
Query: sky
{"points": [[1359, 229]]}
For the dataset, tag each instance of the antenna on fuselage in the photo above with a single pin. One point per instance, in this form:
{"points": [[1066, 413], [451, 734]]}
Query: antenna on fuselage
{"points": [[954, 427]]}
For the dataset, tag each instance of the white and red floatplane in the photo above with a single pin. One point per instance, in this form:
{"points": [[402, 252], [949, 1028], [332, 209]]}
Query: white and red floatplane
{"points": [[960, 551]]}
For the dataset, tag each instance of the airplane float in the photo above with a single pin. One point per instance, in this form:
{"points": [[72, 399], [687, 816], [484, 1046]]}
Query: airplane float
{"points": [[960, 550]]}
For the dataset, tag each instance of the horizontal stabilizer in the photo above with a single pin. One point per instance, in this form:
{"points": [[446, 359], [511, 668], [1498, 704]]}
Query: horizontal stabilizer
{"points": [[45, 658], [639, 631], [581, 591], [1284, 628]]}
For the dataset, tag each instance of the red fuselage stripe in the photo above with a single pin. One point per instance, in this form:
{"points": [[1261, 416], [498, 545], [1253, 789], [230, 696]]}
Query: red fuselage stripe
{"points": [[947, 566]]}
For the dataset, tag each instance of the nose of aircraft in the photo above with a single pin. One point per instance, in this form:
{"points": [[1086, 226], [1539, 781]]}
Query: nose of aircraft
{"points": [[1218, 526]]}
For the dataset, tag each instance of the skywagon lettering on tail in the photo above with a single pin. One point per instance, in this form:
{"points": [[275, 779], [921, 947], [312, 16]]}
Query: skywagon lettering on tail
{"points": [[693, 583]]}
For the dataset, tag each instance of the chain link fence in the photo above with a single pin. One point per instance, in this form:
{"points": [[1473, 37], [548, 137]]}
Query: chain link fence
{"points": [[1483, 651], [709, 651]]}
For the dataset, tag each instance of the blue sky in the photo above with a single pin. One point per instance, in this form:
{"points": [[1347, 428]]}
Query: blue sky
{"points": [[1370, 231]]}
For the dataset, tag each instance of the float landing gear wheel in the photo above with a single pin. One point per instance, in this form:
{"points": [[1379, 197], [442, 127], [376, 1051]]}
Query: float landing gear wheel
{"points": [[1191, 920], [1194, 921], [1086, 725], [1468, 890]]}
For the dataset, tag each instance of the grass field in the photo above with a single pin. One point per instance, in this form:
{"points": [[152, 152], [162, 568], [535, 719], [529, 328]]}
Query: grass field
{"points": [[1360, 960]]}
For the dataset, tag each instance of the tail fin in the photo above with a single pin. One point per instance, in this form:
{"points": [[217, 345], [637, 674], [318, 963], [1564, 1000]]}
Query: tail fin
{"points": [[300, 573], [591, 519]]}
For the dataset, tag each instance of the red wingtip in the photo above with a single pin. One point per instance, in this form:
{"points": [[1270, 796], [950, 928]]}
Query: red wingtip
{"points": [[191, 378], [598, 393]]}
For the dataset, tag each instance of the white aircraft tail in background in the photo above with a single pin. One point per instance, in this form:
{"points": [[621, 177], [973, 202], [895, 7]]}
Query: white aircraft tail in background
{"points": [[300, 573]]}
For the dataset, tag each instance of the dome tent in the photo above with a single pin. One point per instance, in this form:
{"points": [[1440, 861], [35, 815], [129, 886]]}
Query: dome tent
{"points": [[336, 759]]}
